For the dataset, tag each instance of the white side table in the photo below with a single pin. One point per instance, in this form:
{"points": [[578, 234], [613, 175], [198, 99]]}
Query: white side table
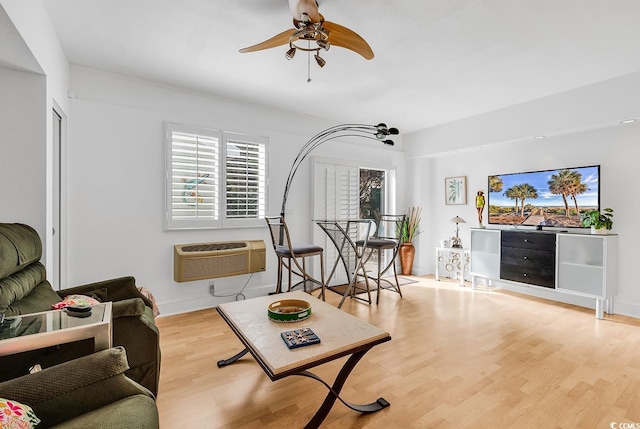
{"points": [[49, 328], [454, 262]]}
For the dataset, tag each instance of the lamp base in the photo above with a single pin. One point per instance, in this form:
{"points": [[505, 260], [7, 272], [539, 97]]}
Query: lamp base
{"points": [[457, 246]]}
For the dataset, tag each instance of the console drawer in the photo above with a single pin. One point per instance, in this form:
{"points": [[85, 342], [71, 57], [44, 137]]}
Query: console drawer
{"points": [[529, 240], [527, 258], [539, 276]]}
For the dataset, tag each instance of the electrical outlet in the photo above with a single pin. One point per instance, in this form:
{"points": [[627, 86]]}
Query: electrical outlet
{"points": [[212, 288]]}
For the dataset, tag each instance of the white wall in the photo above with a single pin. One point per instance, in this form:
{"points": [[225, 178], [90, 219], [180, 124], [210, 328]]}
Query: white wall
{"points": [[35, 48], [22, 148], [116, 182], [590, 107], [32, 21], [611, 145]]}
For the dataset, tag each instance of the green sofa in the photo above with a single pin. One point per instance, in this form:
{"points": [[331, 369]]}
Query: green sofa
{"points": [[88, 392], [24, 289]]}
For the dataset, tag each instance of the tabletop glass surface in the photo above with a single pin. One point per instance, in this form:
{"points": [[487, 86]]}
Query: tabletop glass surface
{"points": [[49, 321]]}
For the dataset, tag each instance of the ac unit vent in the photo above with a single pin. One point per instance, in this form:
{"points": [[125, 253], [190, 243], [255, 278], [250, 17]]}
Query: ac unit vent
{"points": [[213, 246], [210, 260]]}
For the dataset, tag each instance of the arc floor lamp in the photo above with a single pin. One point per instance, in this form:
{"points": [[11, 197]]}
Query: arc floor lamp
{"points": [[378, 132]]}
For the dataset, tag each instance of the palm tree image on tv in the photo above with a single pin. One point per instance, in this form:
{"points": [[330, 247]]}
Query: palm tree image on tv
{"points": [[547, 198]]}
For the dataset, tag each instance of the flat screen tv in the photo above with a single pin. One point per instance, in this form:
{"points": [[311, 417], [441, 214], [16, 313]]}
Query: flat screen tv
{"points": [[550, 198]]}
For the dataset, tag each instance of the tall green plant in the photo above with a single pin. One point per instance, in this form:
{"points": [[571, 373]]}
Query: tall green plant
{"points": [[409, 228]]}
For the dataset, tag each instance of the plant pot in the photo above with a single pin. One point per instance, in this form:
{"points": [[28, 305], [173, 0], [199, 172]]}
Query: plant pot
{"points": [[601, 231], [406, 252]]}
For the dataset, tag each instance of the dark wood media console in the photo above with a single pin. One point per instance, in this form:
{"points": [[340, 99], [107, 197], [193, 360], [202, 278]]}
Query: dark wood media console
{"points": [[528, 257]]}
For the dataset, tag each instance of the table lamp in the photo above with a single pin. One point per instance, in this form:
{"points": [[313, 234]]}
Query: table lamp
{"points": [[456, 242]]}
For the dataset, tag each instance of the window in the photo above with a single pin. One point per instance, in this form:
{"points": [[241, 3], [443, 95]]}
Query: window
{"points": [[215, 179], [372, 192], [343, 190], [339, 192], [245, 177]]}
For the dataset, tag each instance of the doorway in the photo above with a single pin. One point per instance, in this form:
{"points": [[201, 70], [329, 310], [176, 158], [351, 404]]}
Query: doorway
{"points": [[55, 267]]}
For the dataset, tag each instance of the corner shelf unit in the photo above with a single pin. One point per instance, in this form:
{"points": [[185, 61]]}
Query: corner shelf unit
{"points": [[579, 264]]}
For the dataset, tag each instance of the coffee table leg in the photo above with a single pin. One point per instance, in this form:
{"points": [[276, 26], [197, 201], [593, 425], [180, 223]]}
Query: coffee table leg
{"points": [[232, 359], [334, 393]]}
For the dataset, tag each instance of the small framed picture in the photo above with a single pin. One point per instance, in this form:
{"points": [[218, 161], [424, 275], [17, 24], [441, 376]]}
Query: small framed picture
{"points": [[455, 190]]}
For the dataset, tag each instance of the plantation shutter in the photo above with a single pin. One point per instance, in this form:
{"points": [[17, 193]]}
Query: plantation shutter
{"points": [[336, 196], [214, 179], [245, 177], [194, 178]]}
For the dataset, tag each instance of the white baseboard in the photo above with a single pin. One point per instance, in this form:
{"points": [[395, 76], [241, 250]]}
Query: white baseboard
{"points": [[169, 308], [625, 308]]}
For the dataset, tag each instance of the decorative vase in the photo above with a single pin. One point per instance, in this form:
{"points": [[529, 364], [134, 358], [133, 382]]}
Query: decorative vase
{"points": [[407, 252], [601, 231]]}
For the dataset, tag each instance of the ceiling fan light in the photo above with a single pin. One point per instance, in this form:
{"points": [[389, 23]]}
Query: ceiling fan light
{"points": [[290, 53], [324, 44], [319, 60]]}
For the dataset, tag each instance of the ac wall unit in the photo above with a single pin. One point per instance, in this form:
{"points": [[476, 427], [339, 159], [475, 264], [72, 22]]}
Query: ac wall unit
{"points": [[199, 261]]}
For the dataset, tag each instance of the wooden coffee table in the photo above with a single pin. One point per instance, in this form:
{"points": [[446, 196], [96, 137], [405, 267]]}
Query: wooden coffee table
{"points": [[340, 333]]}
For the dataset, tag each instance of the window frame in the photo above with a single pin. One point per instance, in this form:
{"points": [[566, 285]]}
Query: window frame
{"points": [[222, 137]]}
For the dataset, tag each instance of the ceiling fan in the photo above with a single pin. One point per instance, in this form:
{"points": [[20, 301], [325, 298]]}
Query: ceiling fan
{"points": [[312, 30]]}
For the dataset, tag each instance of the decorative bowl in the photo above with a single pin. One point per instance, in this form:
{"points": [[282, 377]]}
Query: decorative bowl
{"points": [[78, 310], [289, 310]]}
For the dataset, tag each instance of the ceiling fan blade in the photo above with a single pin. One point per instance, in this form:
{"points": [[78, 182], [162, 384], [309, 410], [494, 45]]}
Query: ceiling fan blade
{"points": [[277, 40], [349, 39]]}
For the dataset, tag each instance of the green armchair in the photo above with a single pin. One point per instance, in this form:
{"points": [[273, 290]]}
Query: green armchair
{"points": [[24, 289], [89, 392]]}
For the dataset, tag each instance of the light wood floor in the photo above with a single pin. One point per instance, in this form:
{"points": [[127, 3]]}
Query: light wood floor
{"points": [[457, 359]]}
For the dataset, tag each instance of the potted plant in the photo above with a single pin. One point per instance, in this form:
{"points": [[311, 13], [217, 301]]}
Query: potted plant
{"points": [[407, 230], [600, 222]]}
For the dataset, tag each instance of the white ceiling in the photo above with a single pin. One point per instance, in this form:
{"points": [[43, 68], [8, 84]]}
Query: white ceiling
{"points": [[435, 60]]}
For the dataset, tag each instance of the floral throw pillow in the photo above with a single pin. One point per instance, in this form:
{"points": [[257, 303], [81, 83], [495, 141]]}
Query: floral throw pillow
{"points": [[14, 415], [76, 300]]}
